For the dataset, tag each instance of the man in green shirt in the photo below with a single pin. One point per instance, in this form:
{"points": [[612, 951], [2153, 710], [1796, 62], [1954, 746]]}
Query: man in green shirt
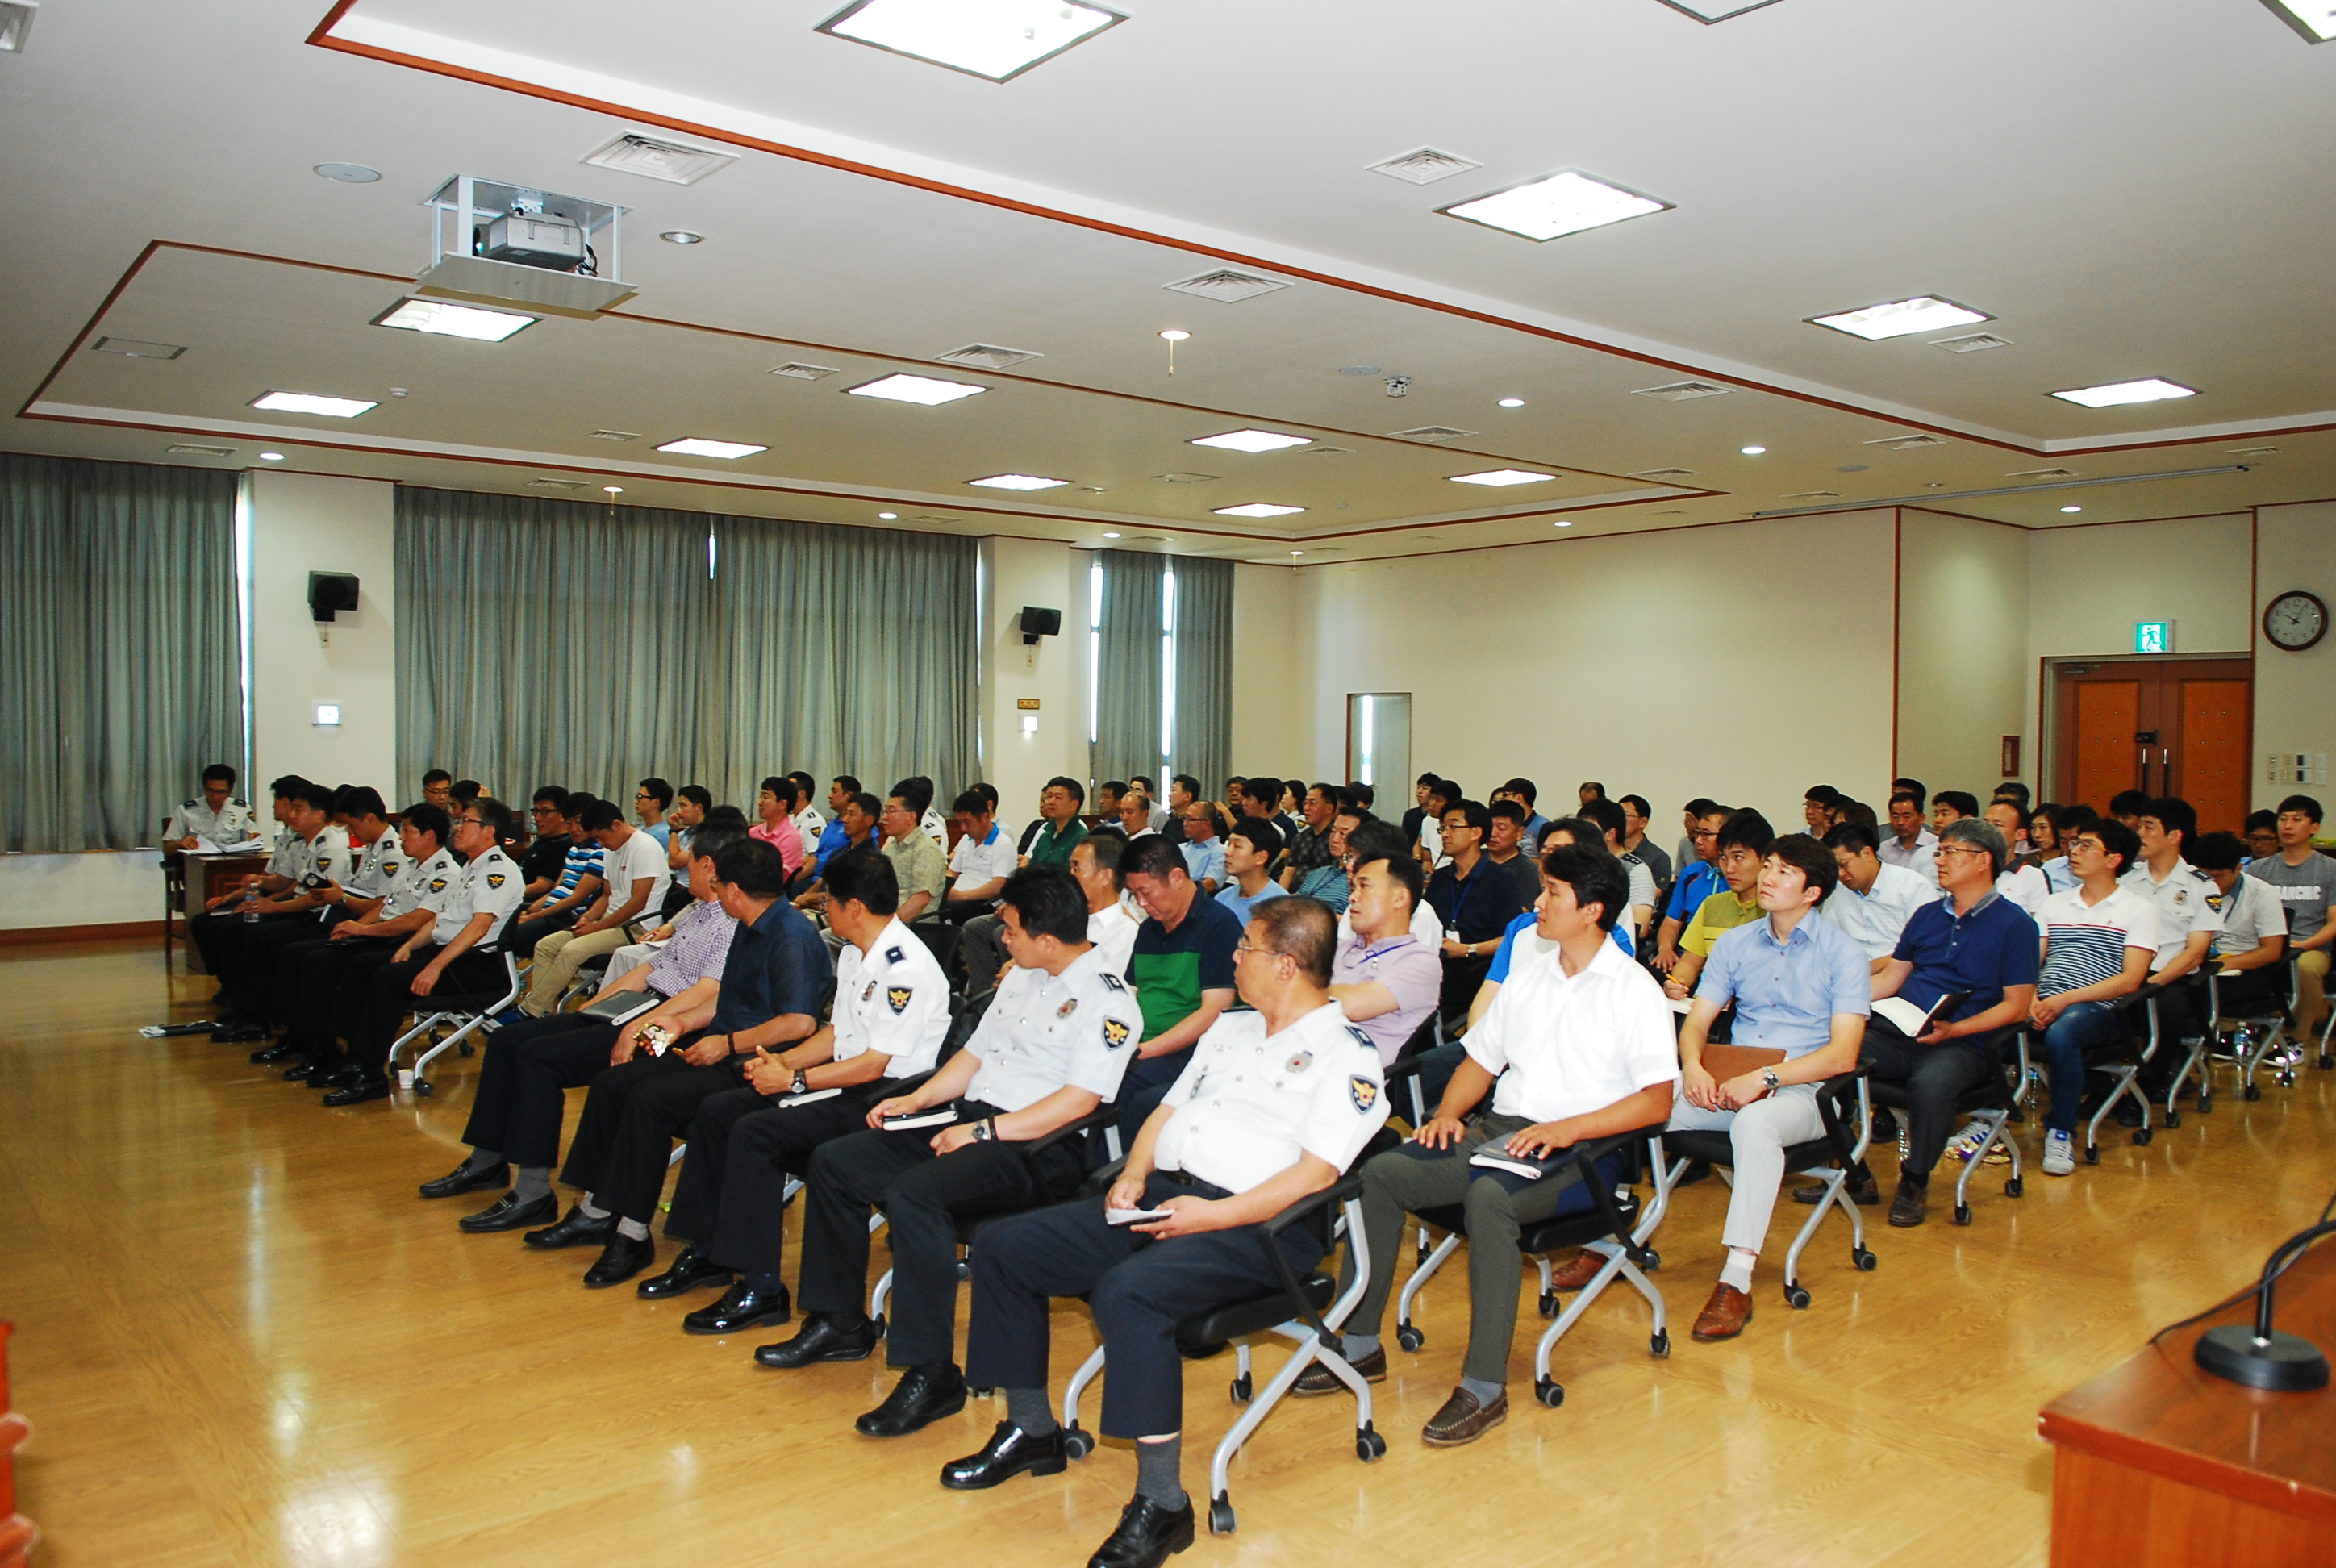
{"points": [[1058, 804]]}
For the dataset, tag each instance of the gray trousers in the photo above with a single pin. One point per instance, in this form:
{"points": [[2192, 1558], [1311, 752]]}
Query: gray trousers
{"points": [[1413, 1178], [1760, 1132], [982, 949]]}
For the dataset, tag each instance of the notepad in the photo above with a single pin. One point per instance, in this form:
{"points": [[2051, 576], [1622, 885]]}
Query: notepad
{"points": [[623, 1008], [809, 1097], [1130, 1216], [940, 1118], [1533, 1167], [1910, 1020]]}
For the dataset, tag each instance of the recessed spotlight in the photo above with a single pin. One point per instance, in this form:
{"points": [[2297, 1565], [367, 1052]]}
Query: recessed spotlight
{"points": [[1296, 552], [309, 403], [439, 318], [1900, 317], [682, 236], [271, 457], [1558, 204], [996, 40], [2315, 19], [2115, 394], [921, 389], [1502, 477], [1176, 335], [349, 173], [1111, 536], [1751, 451], [1513, 403], [695, 447], [1253, 440], [2072, 508], [1018, 482], [887, 516], [614, 488], [1258, 509], [1562, 522]]}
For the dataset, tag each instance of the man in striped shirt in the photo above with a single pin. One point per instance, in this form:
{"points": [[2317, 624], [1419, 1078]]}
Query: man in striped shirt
{"points": [[2098, 941]]}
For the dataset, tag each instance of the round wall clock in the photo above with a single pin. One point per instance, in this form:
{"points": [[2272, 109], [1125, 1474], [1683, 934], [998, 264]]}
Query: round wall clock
{"points": [[2295, 620]]}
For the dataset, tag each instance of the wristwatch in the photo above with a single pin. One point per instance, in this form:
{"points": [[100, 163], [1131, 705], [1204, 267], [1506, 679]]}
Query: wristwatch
{"points": [[1768, 1077], [800, 1083], [984, 1130]]}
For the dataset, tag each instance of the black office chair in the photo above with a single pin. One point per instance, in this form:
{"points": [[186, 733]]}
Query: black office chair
{"points": [[469, 1010], [1990, 1102], [941, 939]]}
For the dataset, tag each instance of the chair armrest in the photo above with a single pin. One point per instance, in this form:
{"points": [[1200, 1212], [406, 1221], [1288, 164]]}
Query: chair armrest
{"points": [[1346, 1189], [1100, 1115], [909, 1085], [1602, 1196], [1830, 1096], [1349, 1186]]}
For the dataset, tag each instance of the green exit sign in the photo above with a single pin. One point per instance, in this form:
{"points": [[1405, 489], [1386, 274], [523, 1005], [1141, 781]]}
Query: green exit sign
{"points": [[2152, 636]]}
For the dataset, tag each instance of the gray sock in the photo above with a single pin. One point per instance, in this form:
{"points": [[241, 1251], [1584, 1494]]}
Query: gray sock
{"points": [[1358, 1346], [534, 1181], [1028, 1408], [481, 1159], [632, 1230], [588, 1209], [1159, 1472], [1485, 1392]]}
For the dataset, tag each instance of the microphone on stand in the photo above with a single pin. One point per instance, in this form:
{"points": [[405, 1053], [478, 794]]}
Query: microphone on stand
{"points": [[2263, 1357]]}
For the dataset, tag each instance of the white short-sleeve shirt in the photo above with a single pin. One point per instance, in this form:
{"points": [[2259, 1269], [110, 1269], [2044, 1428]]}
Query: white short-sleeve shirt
{"points": [[1044, 1031], [1875, 918], [640, 859], [975, 861], [2185, 906], [2251, 911], [893, 999], [492, 885], [1247, 1104], [1566, 1045]]}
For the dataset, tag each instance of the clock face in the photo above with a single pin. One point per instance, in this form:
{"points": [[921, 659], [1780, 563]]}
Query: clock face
{"points": [[2295, 620]]}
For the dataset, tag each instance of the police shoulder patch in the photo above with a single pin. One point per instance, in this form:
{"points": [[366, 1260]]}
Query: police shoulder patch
{"points": [[494, 879], [1115, 1034], [895, 956], [1114, 983], [1361, 1039], [1363, 1092], [437, 884], [897, 997]]}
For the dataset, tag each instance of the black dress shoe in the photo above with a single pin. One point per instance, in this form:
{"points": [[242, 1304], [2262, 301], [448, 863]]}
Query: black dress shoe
{"points": [[509, 1213], [240, 1034], [368, 1086], [1146, 1536], [1009, 1452], [308, 1071], [918, 1399], [742, 1306], [620, 1260], [269, 1055], [820, 1340], [463, 1178], [689, 1270], [337, 1077], [575, 1230]]}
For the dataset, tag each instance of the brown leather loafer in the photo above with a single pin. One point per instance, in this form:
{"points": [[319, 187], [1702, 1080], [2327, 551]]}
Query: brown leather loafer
{"points": [[1906, 1208], [1462, 1420], [1320, 1380], [1577, 1274], [1724, 1316]]}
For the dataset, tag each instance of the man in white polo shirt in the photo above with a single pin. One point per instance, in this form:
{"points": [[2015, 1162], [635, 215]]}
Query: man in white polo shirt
{"points": [[984, 858], [634, 879], [1874, 899], [1911, 845]]}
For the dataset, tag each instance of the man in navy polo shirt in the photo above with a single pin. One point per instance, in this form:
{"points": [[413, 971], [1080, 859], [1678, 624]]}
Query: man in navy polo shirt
{"points": [[1972, 942]]}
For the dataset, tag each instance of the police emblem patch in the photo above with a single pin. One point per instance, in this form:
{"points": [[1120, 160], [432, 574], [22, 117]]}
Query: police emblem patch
{"points": [[1068, 1009], [897, 997], [494, 879], [1298, 1063], [1363, 1092], [437, 884], [1115, 1034]]}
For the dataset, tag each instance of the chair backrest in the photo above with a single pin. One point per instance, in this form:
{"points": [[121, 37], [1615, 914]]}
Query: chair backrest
{"points": [[965, 1017], [939, 939]]}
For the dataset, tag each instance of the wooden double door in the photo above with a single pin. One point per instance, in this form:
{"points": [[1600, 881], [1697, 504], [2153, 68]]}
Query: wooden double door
{"points": [[2177, 726]]}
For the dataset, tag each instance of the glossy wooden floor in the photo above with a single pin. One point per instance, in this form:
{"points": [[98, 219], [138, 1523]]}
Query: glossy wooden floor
{"points": [[243, 1340]]}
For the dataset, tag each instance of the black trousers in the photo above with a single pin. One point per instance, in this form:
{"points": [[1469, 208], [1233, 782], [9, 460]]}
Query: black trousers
{"points": [[1140, 1288], [923, 1197], [731, 1198], [311, 978], [1144, 1084], [523, 1080], [389, 997], [526, 933], [222, 936], [631, 1117], [1934, 1078]]}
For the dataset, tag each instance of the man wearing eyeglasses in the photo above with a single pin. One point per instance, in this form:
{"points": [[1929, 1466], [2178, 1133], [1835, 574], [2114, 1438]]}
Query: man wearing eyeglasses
{"points": [[1182, 967], [1474, 898], [1697, 880]]}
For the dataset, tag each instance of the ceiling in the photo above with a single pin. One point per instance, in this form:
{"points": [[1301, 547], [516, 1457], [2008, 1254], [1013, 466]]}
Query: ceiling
{"points": [[2124, 195]]}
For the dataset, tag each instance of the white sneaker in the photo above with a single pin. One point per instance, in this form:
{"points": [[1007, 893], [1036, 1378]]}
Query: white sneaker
{"points": [[1967, 1141], [2060, 1154]]}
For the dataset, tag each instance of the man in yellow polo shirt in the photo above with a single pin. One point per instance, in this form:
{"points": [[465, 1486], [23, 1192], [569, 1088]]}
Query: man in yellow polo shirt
{"points": [[1743, 843]]}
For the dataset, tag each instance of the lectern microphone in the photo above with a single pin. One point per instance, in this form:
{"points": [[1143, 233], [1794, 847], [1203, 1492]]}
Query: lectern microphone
{"points": [[2262, 1357]]}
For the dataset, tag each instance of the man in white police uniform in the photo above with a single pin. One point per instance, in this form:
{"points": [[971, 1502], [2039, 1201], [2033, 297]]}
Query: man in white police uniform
{"points": [[729, 1204], [215, 817], [1051, 1049], [456, 951], [355, 862], [1273, 1105], [314, 846]]}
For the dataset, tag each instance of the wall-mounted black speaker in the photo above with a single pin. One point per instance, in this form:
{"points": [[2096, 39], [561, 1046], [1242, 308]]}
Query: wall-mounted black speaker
{"points": [[1036, 622], [331, 592]]}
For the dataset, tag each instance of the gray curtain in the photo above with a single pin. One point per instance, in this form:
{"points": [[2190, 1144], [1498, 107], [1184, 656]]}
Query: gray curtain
{"points": [[840, 650], [1128, 666], [122, 634], [549, 641], [1204, 670]]}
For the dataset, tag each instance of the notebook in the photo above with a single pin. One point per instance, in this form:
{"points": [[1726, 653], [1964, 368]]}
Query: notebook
{"points": [[809, 1097], [623, 1008], [939, 1118], [1910, 1020]]}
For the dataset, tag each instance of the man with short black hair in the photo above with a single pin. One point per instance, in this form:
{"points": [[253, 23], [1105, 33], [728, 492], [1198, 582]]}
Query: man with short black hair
{"points": [[1330, 881], [1182, 967], [314, 850], [984, 858], [1871, 900], [2305, 882], [1504, 846], [1309, 847], [1157, 818], [1910, 846], [215, 817], [1611, 822], [2128, 807], [1383, 977], [1059, 804], [1474, 900], [1531, 823], [1111, 924], [2253, 937], [2262, 833], [2188, 920], [1203, 846], [690, 805], [2099, 940], [1248, 852], [1637, 817], [916, 860], [1743, 845], [634, 875], [1816, 809], [652, 798], [854, 827], [1951, 805], [546, 855], [438, 789], [1442, 796], [1699, 879], [2020, 883]]}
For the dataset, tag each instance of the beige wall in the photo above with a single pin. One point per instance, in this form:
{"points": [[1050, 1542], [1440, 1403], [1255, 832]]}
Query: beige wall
{"points": [[1964, 680], [2296, 693], [1273, 728], [300, 523], [1017, 572], [1747, 661]]}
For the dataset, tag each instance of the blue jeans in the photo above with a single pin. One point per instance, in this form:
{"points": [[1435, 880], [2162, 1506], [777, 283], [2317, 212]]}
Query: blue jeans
{"points": [[2085, 1026]]}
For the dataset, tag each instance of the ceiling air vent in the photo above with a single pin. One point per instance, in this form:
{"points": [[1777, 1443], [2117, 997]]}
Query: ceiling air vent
{"points": [[1664, 475], [1907, 443], [2254, 451], [132, 349], [1226, 286], [1682, 391], [555, 484], [1815, 495], [1972, 343], [197, 449], [1187, 478], [1425, 167], [1328, 451], [796, 370], [986, 356], [615, 435], [667, 161], [2039, 475], [1430, 433]]}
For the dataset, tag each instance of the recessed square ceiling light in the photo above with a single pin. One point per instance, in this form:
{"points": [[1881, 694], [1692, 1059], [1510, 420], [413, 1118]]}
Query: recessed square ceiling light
{"points": [[1018, 482], [2149, 389], [1563, 203], [1502, 476], [1899, 317], [440, 320], [2315, 19], [996, 40], [923, 389], [1258, 509], [693, 447], [1254, 440], [309, 403]]}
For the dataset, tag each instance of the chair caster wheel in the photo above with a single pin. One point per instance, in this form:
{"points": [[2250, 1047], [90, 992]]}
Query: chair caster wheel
{"points": [[464, 1047], [1864, 1259], [1078, 1442], [1659, 1343], [1369, 1445], [978, 1391], [2287, 1080], [1796, 1298], [2205, 1105], [2255, 1092], [1220, 1517], [2014, 1187], [1654, 1260], [877, 1322], [2173, 1118], [1409, 1338], [2092, 1154], [1549, 1392], [1549, 1303], [964, 1270], [1241, 1389], [2326, 1061], [1962, 1213], [2143, 1134], [425, 1087]]}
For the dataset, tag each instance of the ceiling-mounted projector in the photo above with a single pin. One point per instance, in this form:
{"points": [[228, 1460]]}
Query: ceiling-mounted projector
{"points": [[497, 244]]}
